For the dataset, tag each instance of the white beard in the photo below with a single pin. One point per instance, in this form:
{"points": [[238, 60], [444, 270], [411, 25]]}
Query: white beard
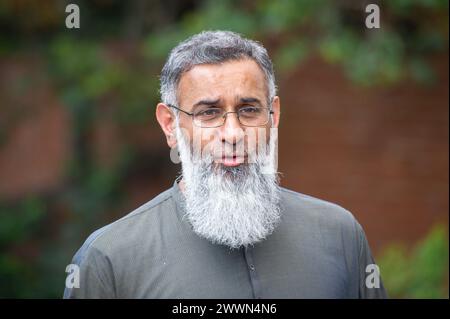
{"points": [[233, 206]]}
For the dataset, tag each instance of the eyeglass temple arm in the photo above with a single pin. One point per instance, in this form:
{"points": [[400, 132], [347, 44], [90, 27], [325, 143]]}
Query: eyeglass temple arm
{"points": [[186, 112]]}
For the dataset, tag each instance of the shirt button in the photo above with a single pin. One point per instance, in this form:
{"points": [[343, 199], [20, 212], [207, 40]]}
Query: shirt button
{"points": [[252, 267]]}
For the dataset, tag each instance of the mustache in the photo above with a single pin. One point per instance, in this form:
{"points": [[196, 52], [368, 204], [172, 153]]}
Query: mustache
{"points": [[236, 154], [217, 153], [221, 149]]}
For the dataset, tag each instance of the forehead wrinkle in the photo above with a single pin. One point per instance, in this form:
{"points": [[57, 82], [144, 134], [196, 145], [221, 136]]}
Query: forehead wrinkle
{"points": [[222, 81]]}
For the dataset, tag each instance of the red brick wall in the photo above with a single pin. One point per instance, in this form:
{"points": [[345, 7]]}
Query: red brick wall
{"points": [[382, 153]]}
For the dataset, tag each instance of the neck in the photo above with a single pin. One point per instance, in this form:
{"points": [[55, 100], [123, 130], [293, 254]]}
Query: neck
{"points": [[181, 185]]}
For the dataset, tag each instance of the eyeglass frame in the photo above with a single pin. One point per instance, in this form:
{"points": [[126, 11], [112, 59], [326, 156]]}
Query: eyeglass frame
{"points": [[224, 116]]}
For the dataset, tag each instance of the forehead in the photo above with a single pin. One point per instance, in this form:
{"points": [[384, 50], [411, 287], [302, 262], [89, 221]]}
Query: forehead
{"points": [[225, 81]]}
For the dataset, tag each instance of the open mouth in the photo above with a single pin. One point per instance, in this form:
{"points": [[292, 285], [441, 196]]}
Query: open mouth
{"points": [[231, 160]]}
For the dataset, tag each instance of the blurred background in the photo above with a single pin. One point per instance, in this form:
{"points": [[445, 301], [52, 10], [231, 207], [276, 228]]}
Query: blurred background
{"points": [[364, 123]]}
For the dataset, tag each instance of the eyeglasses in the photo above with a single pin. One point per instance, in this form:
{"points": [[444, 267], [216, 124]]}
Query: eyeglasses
{"points": [[209, 117]]}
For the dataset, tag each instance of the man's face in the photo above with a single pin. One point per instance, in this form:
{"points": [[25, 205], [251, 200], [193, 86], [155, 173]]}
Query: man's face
{"points": [[230, 179], [230, 86]]}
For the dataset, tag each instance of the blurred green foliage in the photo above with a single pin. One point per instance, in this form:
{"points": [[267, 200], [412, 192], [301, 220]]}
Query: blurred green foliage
{"points": [[419, 273], [17, 266], [110, 68], [335, 30]]}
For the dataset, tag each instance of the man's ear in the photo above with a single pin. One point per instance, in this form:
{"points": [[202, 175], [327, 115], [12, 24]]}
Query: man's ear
{"points": [[276, 108], [166, 119]]}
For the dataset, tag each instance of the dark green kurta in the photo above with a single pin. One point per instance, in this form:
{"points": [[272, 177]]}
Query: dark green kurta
{"points": [[318, 251]]}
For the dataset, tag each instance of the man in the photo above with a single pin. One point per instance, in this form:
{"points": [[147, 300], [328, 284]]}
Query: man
{"points": [[226, 229]]}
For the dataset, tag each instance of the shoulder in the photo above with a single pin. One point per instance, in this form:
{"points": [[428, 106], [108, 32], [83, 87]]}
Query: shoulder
{"points": [[323, 224], [318, 207], [306, 206], [126, 232]]}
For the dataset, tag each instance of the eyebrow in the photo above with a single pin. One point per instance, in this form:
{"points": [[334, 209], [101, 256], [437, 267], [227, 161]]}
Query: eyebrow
{"points": [[206, 102], [249, 100]]}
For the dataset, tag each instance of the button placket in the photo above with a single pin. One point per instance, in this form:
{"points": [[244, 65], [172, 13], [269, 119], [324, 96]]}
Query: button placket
{"points": [[252, 272]]}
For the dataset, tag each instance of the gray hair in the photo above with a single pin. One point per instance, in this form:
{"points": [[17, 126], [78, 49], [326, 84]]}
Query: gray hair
{"points": [[212, 47]]}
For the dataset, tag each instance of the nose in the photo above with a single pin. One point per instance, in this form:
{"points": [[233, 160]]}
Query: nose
{"points": [[231, 131]]}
